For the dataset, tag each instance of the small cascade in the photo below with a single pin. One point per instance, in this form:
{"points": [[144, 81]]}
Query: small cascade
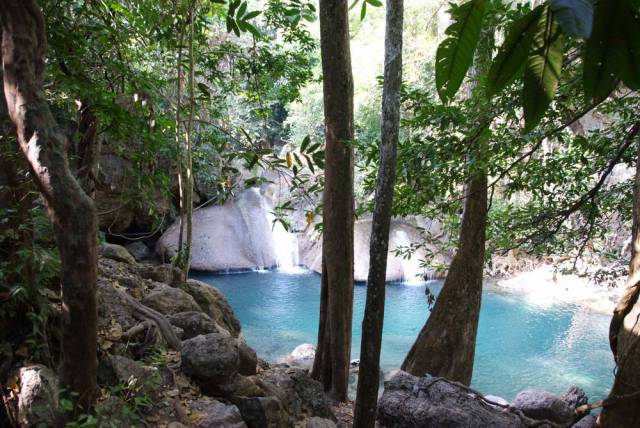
{"points": [[286, 248], [254, 211]]}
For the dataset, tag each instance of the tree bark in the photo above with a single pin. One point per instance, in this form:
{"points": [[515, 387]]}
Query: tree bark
{"points": [[71, 212], [622, 407], [367, 395], [331, 365], [446, 345]]}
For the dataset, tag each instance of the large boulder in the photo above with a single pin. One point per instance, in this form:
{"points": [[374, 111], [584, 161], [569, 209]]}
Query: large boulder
{"points": [[575, 397], [38, 396], [140, 251], [213, 303], [169, 300], [412, 402], [588, 421], [212, 361], [297, 391], [248, 359], [540, 404], [194, 323], [214, 414], [233, 236]]}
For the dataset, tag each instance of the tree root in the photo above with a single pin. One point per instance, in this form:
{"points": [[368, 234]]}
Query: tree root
{"points": [[149, 317]]}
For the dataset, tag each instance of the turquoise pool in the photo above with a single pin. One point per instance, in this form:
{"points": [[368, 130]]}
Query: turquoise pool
{"points": [[519, 345]]}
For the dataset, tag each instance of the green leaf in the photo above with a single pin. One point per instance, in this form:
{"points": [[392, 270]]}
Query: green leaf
{"points": [[455, 54], [627, 53], [575, 16], [374, 3], [305, 143], [544, 68], [251, 15], [242, 9], [363, 10], [599, 75], [513, 53]]}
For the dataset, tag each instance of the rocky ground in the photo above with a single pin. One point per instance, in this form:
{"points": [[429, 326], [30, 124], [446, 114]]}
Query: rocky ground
{"points": [[172, 354]]}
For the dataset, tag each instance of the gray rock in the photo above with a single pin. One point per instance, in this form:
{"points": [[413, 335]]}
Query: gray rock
{"points": [[169, 300], [38, 397], [575, 397], [496, 399], [248, 359], [297, 391], [213, 303], [412, 402], [212, 361], [134, 374], [302, 356], [166, 273], [217, 415], [140, 251], [261, 412], [540, 404], [193, 323], [117, 253], [588, 421], [316, 422]]}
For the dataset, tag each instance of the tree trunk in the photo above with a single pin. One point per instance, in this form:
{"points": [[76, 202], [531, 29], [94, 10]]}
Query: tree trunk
{"points": [[367, 396], [331, 365], [88, 150], [622, 407], [71, 212], [446, 345]]}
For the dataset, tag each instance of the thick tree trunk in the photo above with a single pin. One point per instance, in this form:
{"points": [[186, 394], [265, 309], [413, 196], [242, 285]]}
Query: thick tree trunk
{"points": [[446, 345], [331, 365], [71, 212], [622, 407], [367, 396]]}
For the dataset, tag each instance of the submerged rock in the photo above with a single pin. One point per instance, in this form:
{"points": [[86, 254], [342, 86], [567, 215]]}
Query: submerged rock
{"points": [[38, 396], [412, 402], [540, 404]]}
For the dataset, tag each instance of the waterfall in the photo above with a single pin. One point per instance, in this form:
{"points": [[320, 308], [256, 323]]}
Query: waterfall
{"points": [[270, 244]]}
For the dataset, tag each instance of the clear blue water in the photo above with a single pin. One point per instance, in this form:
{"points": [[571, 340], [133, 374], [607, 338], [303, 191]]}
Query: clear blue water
{"points": [[519, 345]]}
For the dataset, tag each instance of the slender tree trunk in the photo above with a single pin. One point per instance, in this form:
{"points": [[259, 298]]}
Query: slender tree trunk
{"points": [[331, 365], [71, 212], [622, 407], [367, 396], [446, 344], [88, 150]]}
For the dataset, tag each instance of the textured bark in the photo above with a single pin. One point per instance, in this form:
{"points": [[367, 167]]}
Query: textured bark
{"points": [[71, 212], [622, 407], [367, 395], [446, 345], [331, 365]]}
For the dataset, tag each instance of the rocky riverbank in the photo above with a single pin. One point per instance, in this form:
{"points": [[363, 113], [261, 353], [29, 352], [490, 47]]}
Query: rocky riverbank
{"points": [[172, 354]]}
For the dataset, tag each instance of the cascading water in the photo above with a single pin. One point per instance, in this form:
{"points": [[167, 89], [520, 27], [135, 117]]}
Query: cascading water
{"points": [[270, 243]]}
